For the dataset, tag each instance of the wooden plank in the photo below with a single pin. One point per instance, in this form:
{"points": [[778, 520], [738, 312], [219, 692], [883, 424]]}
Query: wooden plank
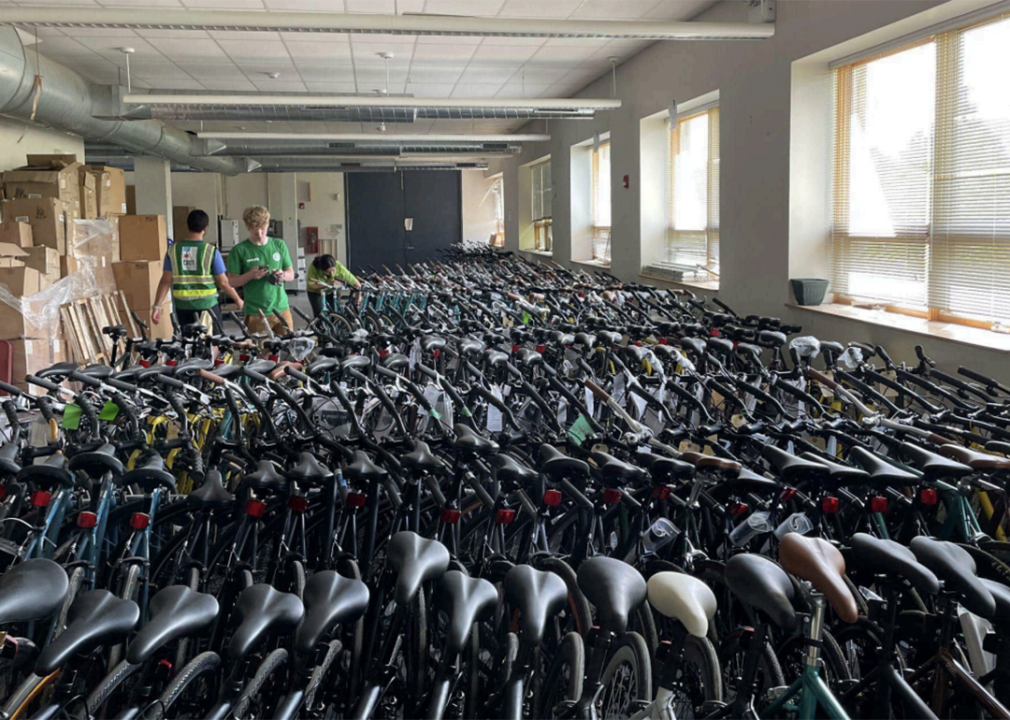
{"points": [[70, 332], [124, 314]]}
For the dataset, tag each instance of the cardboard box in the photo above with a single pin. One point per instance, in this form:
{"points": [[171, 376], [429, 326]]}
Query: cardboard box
{"points": [[16, 233], [13, 324], [11, 255], [47, 216], [61, 183], [22, 281], [89, 194], [139, 281], [110, 187], [161, 331], [44, 259], [10, 262], [142, 237], [31, 355], [52, 160], [68, 265]]}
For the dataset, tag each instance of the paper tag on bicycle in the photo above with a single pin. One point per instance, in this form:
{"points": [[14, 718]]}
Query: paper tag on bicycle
{"points": [[640, 404], [827, 394], [738, 420], [494, 415], [688, 446], [71, 417], [889, 392], [432, 393], [526, 317], [415, 354], [566, 368], [562, 413], [590, 402], [620, 388], [580, 430], [109, 411]]}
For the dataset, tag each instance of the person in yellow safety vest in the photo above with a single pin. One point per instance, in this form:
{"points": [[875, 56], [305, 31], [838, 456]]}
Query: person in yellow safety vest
{"points": [[194, 271]]}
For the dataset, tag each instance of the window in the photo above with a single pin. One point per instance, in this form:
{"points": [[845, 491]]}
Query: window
{"points": [[693, 235], [922, 177], [601, 204], [498, 193], [542, 199]]}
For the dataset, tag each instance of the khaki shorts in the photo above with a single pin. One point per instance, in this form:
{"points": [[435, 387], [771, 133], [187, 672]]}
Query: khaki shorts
{"points": [[254, 323]]}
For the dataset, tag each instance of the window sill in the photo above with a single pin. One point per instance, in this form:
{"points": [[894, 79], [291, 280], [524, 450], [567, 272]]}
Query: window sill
{"points": [[952, 332], [592, 263], [709, 285], [542, 253]]}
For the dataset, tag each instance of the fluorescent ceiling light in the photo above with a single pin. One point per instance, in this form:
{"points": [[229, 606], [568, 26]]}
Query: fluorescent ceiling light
{"points": [[370, 102]]}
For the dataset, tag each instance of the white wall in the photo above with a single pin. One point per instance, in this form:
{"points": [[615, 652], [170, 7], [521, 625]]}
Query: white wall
{"points": [[755, 80], [325, 211], [199, 190], [18, 139]]}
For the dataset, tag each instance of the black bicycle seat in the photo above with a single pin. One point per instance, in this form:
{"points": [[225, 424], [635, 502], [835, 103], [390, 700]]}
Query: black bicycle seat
{"points": [[60, 369], [465, 600], [510, 470], [888, 558], [330, 600], [362, 468], [98, 462], [469, 441], [99, 372], [262, 612], [150, 475], [176, 612], [395, 362], [97, 618], [265, 477], [321, 366], [556, 465], [49, 474], [228, 371], [792, 469], [614, 588], [193, 366], [262, 366], [421, 458], [744, 481], [495, 357], [1001, 594], [114, 331], [586, 340], [33, 590], [538, 596], [956, 568], [880, 470], [529, 358], [212, 493], [934, 466], [308, 470], [771, 338], [617, 471], [664, 469], [355, 362], [762, 584], [468, 347], [9, 464], [432, 342], [415, 560], [998, 446], [838, 473]]}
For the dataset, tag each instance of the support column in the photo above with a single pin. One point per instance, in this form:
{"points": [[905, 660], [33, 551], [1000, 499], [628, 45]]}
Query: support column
{"points": [[282, 202], [152, 177]]}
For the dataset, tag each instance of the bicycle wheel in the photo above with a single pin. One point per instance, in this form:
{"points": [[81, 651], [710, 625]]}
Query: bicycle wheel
{"points": [[563, 679], [174, 701], [259, 695], [733, 654], [626, 679], [698, 680]]}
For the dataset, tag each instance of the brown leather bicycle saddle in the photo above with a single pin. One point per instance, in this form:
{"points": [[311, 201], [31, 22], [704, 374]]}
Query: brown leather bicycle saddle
{"points": [[822, 565], [983, 462]]}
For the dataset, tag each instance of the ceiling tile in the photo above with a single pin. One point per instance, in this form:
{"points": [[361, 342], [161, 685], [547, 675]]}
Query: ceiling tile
{"points": [[334, 88], [679, 9], [540, 8], [174, 34], [514, 89], [238, 84], [470, 8], [188, 50], [610, 10], [368, 52], [503, 54], [142, 3], [429, 74], [430, 90], [99, 32], [338, 49], [446, 40], [424, 53], [306, 5], [224, 4], [212, 71], [310, 37], [265, 84], [175, 83], [243, 50], [541, 74], [469, 90], [562, 55], [488, 74], [523, 41], [318, 73], [594, 43]]}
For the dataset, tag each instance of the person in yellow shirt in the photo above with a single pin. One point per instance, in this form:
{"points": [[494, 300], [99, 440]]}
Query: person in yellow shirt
{"points": [[329, 270]]}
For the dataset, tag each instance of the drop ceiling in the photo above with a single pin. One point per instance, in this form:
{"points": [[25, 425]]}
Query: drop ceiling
{"points": [[428, 66]]}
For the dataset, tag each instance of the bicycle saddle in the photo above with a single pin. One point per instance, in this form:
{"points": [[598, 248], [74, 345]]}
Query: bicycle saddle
{"points": [[744, 481], [415, 560], [49, 474], [880, 470], [421, 458], [838, 473], [262, 366], [538, 596], [469, 347], [728, 469], [933, 466], [308, 470], [465, 601], [586, 340], [998, 446], [176, 612], [362, 468], [114, 331], [154, 371], [771, 338], [100, 372], [720, 346], [395, 362], [792, 469], [616, 471], [432, 342], [97, 618], [151, 475], [664, 469], [265, 477], [321, 366], [355, 362], [9, 464], [561, 338], [330, 600], [510, 470], [529, 358], [956, 568], [469, 441], [495, 357], [33, 590], [684, 598], [614, 588], [696, 346], [262, 612], [821, 564], [555, 464], [1001, 594], [193, 366], [98, 462], [59, 369], [608, 337], [983, 462], [763, 585], [228, 371], [886, 557], [212, 493]]}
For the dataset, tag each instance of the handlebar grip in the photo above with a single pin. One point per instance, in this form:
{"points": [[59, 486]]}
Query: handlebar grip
{"points": [[121, 385], [11, 389], [211, 377], [85, 378], [284, 322], [42, 383], [12, 416], [296, 374], [821, 378], [46, 408], [484, 495], [253, 375], [300, 314], [169, 382]]}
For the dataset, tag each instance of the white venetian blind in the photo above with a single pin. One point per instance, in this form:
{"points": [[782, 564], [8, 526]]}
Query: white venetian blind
{"points": [[693, 236], [601, 203]]}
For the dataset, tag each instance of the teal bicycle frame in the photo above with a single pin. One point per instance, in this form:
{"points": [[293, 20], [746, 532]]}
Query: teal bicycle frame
{"points": [[810, 686]]}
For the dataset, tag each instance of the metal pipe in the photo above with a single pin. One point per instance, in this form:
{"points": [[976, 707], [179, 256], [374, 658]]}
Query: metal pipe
{"points": [[374, 138], [377, 101]]}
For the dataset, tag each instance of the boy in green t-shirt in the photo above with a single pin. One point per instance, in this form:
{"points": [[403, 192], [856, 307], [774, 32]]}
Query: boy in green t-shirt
{"points": [[329, 270], [261, 265]]}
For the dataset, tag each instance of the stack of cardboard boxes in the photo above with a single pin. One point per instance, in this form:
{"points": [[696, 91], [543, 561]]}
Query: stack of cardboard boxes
{"points": [[142, 252]]}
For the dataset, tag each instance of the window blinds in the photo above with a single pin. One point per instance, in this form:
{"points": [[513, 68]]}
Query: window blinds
{"points": [[601, 188], [922, 176], [542, 191], [693, 237]]}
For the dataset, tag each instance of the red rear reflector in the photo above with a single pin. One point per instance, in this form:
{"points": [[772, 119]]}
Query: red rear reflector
{"points": [[541, 348], [515, 348], [3, 491], [436, 353], [928, 496], [612, 496], [504, 516], [87, 520], [383, 353], [171, 363], [552, 497], [145, 363], [355, 500], [243, 358], [788, 494], [140, 521], [714, 332], [218, 363], [830, 504], [40, 498], [878, 504], [274, 358], [663, 341], [637, 343], [661, 493], [255, 508], [450, 516], [737, 509], [298, 503]]}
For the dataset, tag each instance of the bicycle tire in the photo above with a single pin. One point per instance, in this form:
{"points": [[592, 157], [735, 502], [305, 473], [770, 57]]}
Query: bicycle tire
{"points": [[334, 648], [100, 695], [578, 606], [571, 656], [769, 670], [271, 663], [128, 591], [207, 662], [631, 651]]}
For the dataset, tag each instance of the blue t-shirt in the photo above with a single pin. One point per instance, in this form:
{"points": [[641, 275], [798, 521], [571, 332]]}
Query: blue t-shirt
{"points": [[216, 265]]}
